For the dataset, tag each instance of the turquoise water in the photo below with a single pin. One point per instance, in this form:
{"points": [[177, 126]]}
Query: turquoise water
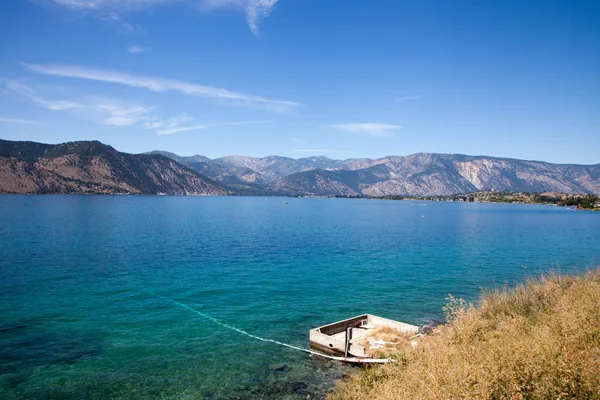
{"points": [[85, 283]]}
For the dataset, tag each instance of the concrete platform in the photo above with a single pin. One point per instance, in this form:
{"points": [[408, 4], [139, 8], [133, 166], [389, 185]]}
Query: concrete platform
{"points": [[331, 338]]}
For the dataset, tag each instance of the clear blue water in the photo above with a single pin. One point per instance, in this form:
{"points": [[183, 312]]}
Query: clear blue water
{"points": [[81, 312]]}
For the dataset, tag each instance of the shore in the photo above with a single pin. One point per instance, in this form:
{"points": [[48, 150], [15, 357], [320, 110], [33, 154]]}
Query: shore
{"points": [[538, 340]]}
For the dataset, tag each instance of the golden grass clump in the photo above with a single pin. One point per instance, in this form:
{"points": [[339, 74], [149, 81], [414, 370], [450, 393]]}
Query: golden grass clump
{"points": [[540, 340], [385, 342]]}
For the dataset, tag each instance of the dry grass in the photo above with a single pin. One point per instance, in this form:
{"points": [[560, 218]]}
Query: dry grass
{"points": [[540, 340], [395, 343]]}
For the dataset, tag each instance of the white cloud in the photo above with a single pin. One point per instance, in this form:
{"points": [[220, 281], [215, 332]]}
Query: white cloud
{"points": [[105, 111], [118, 115], [124, 5], [18, 121], [160, 85], [79, 4], [31, 94], [169, 123], [406, 98], [114, 17], [56, 105], [369, 128], [207, 126], [255, 10], [136, 49]]}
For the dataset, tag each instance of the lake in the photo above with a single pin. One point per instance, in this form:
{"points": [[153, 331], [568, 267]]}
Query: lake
{"points": [[87, 282]]}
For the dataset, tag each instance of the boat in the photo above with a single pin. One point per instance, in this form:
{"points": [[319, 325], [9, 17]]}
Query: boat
{"points": [[345, 338]]}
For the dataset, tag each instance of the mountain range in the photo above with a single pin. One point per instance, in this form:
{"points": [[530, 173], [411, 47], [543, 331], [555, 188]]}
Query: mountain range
{"points": [[422, 174], [93, 167]]}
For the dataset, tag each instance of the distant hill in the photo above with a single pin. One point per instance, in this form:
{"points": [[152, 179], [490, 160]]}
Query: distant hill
{"points": [[180, 159], [273, 168], [422, 174], [92, 167], [428, 174], [238, 178]]}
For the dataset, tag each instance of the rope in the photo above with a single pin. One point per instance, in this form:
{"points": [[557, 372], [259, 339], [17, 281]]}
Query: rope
{"points": [[238, 330]]}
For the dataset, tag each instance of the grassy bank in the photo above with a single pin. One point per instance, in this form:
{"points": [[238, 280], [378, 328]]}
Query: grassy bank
{"points": [[540, 340]]}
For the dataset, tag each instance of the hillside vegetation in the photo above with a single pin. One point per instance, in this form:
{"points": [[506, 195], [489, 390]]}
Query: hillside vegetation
{"points": [[540, 340]]}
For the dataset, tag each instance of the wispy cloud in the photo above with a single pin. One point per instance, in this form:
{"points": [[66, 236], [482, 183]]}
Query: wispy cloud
{"points": [[136, 49], [406, 98], [79, 4], [116, 18], [105, 111], [18, 121], [369, 128], [207, 126], [169, 123], [160, 85], [125, 5], [255, 10], [33, 95], [117, 115]]}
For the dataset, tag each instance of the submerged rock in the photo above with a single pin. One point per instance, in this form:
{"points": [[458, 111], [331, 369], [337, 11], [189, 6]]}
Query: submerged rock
{"points": [[299, 387], [279, 368]]}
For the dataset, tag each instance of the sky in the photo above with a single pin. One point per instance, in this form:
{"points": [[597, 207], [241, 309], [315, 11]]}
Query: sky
{"points": [[298, 78]]}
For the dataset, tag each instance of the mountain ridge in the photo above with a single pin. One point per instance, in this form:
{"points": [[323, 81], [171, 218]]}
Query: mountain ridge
{"points": [[95, 168], [416, 174]]}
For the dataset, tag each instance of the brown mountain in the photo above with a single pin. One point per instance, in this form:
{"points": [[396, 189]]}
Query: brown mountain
{"points": [[92, 167]]}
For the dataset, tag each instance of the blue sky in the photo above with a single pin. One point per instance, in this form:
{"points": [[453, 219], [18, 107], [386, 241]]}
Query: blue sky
{"points": [[297, 78]]}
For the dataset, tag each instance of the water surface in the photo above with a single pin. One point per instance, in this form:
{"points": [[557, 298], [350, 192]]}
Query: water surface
{"points": [[85, 283]]}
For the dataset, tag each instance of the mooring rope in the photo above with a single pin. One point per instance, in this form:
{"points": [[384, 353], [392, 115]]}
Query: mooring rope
{"points": [[238, 330]]}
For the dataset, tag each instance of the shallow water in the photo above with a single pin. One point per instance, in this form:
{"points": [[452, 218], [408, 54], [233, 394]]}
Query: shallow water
{"points": [[85, 283]]}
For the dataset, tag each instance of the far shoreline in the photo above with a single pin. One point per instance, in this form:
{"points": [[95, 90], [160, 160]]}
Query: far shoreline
{"points": [[459, 198]]}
